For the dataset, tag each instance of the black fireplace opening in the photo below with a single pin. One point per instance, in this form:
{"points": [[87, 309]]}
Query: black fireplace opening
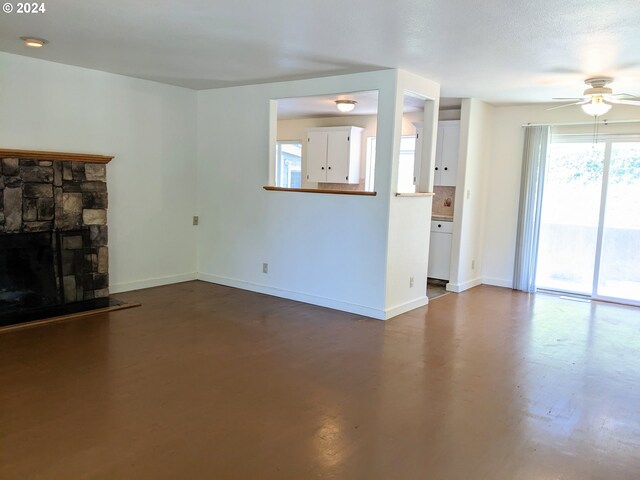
{"points": [[47, 274], [27, 272]]}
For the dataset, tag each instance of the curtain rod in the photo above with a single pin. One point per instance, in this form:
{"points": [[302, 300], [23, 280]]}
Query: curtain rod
{"points": [[569, 124]]}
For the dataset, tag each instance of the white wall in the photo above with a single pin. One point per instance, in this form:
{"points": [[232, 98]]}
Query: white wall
{"points": [[469, 223], [324, 249], [150, 129], [410, 217], [503, 186]]}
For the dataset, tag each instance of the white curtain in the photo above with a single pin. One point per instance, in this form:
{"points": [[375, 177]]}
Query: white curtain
{"points": [[536, 141]]}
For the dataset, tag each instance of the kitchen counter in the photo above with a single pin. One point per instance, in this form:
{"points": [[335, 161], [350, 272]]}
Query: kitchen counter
{"points": [[442, 218]]}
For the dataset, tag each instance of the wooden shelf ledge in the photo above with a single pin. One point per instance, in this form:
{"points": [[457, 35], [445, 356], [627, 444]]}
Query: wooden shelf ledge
{"points": [[415, 194], [54, 156], [318, 190]]}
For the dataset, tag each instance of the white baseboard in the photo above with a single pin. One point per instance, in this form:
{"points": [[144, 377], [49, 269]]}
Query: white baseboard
{"points": [[151, 282], [497, 282], [461, 287], [298, 296], [406, 307]]}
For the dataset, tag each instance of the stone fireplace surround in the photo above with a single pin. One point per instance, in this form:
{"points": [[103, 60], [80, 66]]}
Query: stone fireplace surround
{"points": [[64, 195]]}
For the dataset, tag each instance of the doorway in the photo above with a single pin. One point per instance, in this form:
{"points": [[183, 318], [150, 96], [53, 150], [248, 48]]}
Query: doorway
{"points": [[590, 219]]}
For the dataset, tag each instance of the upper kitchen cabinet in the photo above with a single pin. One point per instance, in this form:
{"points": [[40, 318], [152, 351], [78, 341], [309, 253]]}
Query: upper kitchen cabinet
{"points": [[333, 154], [447, 146]]}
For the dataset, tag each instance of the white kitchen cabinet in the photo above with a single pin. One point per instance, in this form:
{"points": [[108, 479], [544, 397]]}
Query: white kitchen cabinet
{"points": [[447, 148], [333, 154], [440, 250]]}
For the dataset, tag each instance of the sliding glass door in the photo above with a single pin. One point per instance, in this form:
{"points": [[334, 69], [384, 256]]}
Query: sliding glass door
{"points": [[619, 266], [570, 216], [590, 221]]}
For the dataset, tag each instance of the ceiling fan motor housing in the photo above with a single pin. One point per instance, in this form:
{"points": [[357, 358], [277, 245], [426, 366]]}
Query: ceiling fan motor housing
{"points": [[598, 86], [598, 91]]}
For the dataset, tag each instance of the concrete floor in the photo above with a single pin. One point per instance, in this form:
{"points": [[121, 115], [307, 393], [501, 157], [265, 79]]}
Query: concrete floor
{"points": [[205, 381]]}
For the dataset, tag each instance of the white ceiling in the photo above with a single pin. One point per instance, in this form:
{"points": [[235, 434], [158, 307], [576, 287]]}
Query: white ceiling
{"points": [[501, 51]]}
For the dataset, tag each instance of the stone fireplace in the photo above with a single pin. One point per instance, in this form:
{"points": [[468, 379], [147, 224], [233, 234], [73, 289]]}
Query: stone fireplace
{"points": [[53, 234]]}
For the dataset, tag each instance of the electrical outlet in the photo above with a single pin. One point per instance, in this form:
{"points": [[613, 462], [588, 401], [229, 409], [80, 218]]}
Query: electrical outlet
{"points": [[410, 282], [468, 194], [265, 268], [473, 264], [195, 220]]}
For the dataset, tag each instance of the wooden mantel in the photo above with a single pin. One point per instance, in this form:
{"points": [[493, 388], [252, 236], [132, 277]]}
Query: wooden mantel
{"points": [[55, 156]]}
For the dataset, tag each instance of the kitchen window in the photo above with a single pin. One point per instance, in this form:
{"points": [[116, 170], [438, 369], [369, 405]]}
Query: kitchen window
{"points": [[289, 164]]}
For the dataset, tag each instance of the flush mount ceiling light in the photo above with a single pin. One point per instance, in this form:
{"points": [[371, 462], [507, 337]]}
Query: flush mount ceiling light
{"points": [[34, 42], [345, 105]]}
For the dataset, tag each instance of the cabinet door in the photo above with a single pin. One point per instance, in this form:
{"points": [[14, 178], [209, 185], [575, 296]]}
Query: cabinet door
{"points": [[440, 255], [437, 174], [317, 156], [338, 153], [449, 159]]}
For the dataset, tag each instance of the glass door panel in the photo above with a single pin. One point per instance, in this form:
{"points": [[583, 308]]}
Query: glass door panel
{"points": [[570, 217], [619, 275]]}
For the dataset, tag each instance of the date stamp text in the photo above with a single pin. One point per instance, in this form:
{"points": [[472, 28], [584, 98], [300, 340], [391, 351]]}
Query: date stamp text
{"points": [[26, 7]]}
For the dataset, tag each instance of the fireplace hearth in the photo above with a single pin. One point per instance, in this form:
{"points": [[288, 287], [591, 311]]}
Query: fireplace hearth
{"points": [[53, 235]]}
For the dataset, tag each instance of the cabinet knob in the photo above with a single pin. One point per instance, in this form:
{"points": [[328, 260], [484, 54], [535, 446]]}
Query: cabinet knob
{"points": [[322, 168], [446, 168], [439, 225], [329, 168], [436, 168]]}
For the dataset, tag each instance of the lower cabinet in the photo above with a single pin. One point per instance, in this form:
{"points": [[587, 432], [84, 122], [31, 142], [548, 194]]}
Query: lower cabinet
{"points": [[440, 250]]}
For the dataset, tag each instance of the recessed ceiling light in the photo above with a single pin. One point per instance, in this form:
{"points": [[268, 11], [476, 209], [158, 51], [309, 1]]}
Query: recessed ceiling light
{"points": [[345, 105], [34, 42]]}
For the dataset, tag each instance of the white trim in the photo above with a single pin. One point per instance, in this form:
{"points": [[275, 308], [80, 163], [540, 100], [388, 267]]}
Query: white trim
{"points": [[619, 301], [588, 137], [151, 282], [415, 194], [406, 307], [297, 296], [461, 287], [497, 282], [569, 124]]}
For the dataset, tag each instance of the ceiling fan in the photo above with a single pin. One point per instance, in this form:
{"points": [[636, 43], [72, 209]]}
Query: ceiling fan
{"points": [[598, 99]]}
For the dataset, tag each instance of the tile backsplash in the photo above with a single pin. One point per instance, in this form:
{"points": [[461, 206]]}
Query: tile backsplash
{"points": [[444, 200]]}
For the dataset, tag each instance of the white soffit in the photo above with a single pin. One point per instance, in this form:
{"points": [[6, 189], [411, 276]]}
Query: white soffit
{"points": [[325, 106]]}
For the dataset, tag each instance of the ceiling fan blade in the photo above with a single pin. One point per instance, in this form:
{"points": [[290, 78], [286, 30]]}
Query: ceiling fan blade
{"points": [[619, 101], [569, 98], [628, 95], [568, 105]]}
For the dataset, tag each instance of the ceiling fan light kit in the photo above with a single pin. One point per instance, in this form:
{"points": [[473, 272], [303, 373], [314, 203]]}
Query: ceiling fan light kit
{"points": [[596, 106]]}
